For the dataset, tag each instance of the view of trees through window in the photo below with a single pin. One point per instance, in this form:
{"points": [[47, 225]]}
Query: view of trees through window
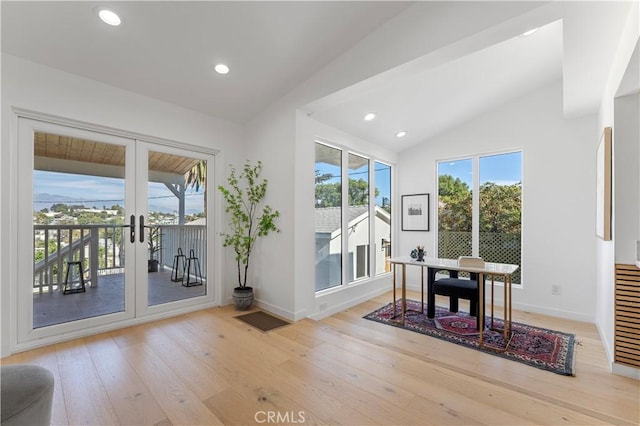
{"points": [[499, 205]]}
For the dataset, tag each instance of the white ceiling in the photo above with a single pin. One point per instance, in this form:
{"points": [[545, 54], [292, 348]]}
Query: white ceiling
{"points": [[439, 98], [166, 50]]}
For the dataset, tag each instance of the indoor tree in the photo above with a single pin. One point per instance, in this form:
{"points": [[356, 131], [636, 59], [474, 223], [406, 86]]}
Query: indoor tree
{"points": [[249, 219]]}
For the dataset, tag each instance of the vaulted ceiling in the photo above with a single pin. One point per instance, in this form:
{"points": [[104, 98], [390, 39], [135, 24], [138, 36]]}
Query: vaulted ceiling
{"points": [[167, 50], [435, 99]]}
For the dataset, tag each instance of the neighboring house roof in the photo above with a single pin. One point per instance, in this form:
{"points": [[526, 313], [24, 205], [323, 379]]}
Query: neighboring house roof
{"points": [[198, 221], [328, 218]]}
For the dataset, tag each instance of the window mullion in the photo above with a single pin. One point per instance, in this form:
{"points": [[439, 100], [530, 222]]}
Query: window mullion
{"points": [[345, 217], [373, 246], [475, 210]]}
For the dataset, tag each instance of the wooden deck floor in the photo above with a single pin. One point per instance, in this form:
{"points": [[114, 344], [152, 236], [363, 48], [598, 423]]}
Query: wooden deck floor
{"points": [[106, 298], [208, 368]]}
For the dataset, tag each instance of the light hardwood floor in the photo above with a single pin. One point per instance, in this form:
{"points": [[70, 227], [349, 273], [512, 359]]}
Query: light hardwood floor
{"points": [[210, 368]]}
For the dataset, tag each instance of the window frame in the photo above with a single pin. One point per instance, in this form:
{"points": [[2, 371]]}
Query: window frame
{"points": [[475, 188], [372, 261]]}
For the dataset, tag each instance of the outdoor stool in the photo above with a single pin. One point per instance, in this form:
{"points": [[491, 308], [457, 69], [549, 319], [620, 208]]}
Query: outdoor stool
{"points": [[193, 268], [69, 287], [179, 265]]}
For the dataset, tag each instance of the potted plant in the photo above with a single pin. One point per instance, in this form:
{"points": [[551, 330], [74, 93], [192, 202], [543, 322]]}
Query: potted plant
{"points": [[155, 245], [249, 220]]}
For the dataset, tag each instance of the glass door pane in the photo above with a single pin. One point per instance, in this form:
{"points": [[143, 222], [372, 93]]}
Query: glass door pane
{"points": [[455, 200], [176, 227], [500, 209], [80, 236]]}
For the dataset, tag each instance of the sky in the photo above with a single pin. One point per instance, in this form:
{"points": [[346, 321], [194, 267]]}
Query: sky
{"points": [[502, 169], [97, 191]]}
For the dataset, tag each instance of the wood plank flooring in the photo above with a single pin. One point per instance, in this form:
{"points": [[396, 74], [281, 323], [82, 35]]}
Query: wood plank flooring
{"points": [[208, 368]]}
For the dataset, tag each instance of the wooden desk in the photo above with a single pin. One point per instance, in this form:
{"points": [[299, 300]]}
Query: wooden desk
{"points": [[434, 265]]}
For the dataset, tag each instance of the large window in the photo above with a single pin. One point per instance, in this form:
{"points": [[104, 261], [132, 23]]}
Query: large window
{"points": [[479, 208], [367, 245]]}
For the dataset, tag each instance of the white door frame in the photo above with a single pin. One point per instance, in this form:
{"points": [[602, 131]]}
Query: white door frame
{"points": [[24, 337], [142, 178]]}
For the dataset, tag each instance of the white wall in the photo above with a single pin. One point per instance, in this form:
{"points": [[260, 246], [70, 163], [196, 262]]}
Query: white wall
{"points": [[558, 219], [285, 269], [34, 87], [605, 249], [627, 177], [280, 136], [269, 140]]}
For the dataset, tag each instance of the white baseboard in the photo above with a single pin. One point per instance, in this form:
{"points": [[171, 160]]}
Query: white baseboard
{"points": [[374, 292], [577, 316], [625, 370], [608, 348], [276, 310], [558, 313]]}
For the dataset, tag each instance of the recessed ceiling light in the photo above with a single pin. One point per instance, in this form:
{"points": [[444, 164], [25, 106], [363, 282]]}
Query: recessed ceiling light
{"points": [[526, 33], [370, 116], [110, 17], [401, 134], [221, 69]]}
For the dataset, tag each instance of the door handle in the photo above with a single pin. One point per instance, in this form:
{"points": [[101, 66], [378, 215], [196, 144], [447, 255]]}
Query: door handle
{"points": [[141, 228], [132, 228]]}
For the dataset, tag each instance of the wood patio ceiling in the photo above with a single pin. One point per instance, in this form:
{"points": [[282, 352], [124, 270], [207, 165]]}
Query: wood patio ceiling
{"points": [[66, 148]]}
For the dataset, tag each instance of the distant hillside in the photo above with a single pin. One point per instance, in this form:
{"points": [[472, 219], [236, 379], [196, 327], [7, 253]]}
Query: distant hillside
{"points": [[45, 200]]}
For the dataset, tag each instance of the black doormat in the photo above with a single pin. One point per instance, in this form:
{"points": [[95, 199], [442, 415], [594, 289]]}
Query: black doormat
{"points": [[262, 320]]}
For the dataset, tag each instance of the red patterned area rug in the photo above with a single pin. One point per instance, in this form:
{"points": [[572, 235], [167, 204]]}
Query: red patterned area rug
{"points": [[538, 347]]}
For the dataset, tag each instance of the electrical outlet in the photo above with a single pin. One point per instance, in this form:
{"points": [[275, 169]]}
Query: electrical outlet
{"points": [[555, 289]]}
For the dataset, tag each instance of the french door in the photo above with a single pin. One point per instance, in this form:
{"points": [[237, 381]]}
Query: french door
{"points": [[110, 229]]}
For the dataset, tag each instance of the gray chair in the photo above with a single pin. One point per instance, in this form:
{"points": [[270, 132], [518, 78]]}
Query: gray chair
{"points": [[26, 394]]}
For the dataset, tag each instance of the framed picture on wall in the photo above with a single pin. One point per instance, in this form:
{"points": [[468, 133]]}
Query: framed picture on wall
{"points": [[603, 185], [415, 212]]}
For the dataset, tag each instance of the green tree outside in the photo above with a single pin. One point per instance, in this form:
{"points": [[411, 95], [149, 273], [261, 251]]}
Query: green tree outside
{"points": [[330, 194], [500, 206]]}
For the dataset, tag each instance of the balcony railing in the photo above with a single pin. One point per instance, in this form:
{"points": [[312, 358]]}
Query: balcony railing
{"points": [[187, 238], [101, 250], [97, 247]]}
